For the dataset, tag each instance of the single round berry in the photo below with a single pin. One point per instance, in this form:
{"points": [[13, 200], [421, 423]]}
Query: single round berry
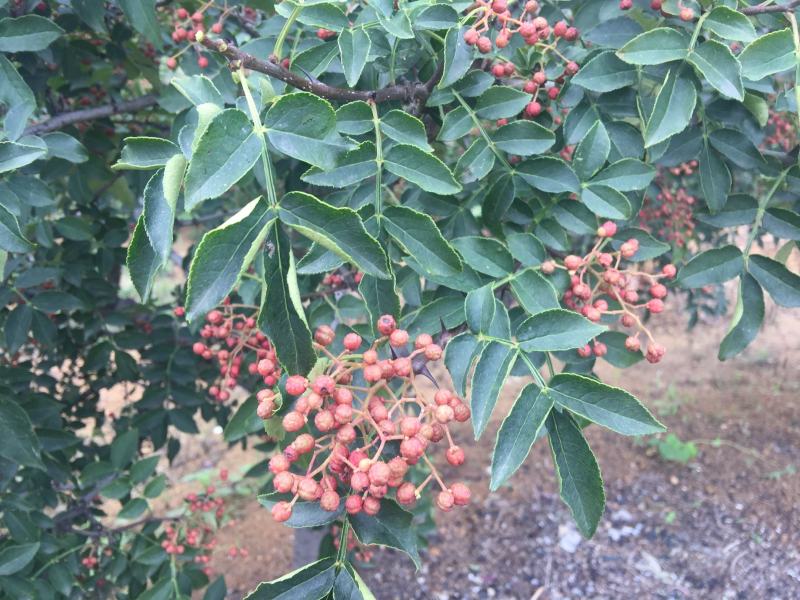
{"points": [[406, 494], [461, 494], [329, 501], [386, 324], [324, 335], [455, 456], [353, 505], [445, 500], [296, 385], [281, 511], [398, 338], [352, 341]]}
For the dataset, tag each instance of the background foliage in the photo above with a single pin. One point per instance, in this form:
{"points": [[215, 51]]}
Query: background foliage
{"points": [[387, 147]]}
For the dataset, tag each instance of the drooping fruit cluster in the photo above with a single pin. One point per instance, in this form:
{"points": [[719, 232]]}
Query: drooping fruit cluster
{"points": [[536, 31], [235, 342], [605, 282], [361, 422]]}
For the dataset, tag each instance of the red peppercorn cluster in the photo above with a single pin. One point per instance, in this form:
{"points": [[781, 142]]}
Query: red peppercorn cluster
{"points": [[605, 283], [186, 28], [535, 30], [365, 437], [194, 534], [234, 341], [781, 132], [670, 214]]}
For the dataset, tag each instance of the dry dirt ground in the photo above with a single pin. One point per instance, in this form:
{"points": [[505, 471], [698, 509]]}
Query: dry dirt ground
{"points": [[724, 525]]}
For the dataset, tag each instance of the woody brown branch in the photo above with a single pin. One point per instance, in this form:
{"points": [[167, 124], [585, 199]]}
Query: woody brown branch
{"points": [[405, 92]]}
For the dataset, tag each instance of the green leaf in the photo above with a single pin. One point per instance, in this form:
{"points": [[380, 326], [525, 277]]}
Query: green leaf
{"points": [[556, 329], [281, 316], [476, 162], [17, 97], [14, 156], [198, 89], [457, 57], [736, 147], [404, 128], [354, 118], [63, 146], [217, 590], [421, 169], [142, 260], [348, 584], [459, 355], [730, 25], [11, 237], [717, 64], [606, 202], [575, 217], [716, 265], [16, 557], [142, 15], [740, 209], [226, 151], [485, 255], [626, 175], [526, 248], [353, 166], [491, 371], [592, 151], [479, 308], [520, 429], [533, 292], [354, 47], [244, 421], [747, 318], [312, 581], [20, 444], [124, 448], [715, 178], [771, 53], [579, 479], [500, 102], [160, 200], [549, 174], [223, 254], [780, 282], [419, 236], [605, 72], [337, 229], [303, 126], [304, 514], [522, 138], [456, 124], [603, 404], [145, 153], [673, 109], [29, 33], [391, 527], [782, 223], [655, 47]]}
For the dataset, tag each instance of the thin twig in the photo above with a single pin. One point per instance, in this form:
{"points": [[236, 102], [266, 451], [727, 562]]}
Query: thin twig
{"points": [[89, 114]]}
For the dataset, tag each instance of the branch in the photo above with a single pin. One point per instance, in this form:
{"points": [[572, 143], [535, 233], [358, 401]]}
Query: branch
{"points": [[770, 8], [406, 92], [89, 114]]}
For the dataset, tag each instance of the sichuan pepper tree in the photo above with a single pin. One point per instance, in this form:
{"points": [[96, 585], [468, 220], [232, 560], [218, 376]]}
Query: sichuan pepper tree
{"points": [[400, 206]]}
